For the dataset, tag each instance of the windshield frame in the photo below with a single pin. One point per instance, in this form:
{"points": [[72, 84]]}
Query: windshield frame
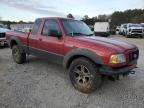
{"points": [[76, 33]]}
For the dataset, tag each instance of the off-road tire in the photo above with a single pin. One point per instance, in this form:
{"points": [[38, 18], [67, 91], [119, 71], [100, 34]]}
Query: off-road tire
{"points": [[18, 56], [94, 80]]}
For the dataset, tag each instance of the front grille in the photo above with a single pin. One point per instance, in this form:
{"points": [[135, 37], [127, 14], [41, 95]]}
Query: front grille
{"points": [[137, 31], [134, 55], [2, 35]]}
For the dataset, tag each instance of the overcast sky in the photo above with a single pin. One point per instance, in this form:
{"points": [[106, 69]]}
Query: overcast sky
{"points": [[28, 10]]}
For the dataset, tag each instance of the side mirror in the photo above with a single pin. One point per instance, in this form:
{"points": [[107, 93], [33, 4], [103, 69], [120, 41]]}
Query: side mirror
{"points": [[30, 30], [55, 33], [92, 29]]}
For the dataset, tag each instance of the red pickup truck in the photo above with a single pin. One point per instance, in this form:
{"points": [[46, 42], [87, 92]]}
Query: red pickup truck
{"points": [[71, 43]]}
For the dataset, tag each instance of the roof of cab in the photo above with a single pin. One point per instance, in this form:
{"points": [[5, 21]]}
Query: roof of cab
{"points": [[54, 18]]}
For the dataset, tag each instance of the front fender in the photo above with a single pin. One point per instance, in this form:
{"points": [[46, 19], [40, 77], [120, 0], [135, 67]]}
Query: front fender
{"points": [[81, 52], [14, 38]]}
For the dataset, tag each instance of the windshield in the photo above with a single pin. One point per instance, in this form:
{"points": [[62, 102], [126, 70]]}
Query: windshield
{"points": [[134, 25], [76, 28]]}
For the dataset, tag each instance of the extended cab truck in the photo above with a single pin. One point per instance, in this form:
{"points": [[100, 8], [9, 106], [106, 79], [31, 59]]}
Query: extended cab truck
{"points": [[71, 43]]}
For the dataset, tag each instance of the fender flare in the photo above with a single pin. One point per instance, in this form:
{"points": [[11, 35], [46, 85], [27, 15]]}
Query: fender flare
{"points": [[14, 38], [81, 52]]}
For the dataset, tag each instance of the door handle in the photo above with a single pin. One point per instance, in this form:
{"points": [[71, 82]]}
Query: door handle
{"points": [[40, 39]]}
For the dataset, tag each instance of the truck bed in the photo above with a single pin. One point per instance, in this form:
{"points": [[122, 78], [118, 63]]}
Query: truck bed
{"points": [[21, 36]]}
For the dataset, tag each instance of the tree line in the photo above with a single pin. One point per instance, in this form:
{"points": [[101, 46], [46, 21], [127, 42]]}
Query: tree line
{"points": [[117, 18]]}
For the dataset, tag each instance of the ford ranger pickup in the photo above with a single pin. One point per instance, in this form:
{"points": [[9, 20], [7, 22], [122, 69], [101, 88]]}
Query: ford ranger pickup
{"points": [[71, 43]]}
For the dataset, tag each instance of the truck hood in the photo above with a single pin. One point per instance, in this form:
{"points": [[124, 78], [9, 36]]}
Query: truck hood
{"points": [[106, 43], [3, 30]]}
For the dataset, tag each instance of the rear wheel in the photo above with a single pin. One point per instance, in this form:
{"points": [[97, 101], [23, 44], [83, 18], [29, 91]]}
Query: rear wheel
{"points": [[18, 56], [84, 75]]}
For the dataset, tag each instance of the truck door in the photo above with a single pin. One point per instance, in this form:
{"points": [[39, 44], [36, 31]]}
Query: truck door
{"points": [[34, 37], [51, 45]]}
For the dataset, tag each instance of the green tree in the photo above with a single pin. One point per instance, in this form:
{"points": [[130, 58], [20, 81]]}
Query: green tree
{"points": [[86, 17], [128, 16], [70, 16]]}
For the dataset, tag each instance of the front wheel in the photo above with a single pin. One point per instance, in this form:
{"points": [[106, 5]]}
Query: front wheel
{"points": [[84, 75], [18, 56]]}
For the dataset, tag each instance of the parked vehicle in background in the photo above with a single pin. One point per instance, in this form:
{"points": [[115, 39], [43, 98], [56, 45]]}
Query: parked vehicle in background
{"points": [[3, 30], [102, 29], [134, 30], [72, 44], [122, 30], [142, 24], [117, 30]]}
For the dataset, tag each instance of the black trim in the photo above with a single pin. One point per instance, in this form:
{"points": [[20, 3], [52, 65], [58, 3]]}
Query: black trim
{"points": [[52, 57], [104, 34], [14, 38], [111, 71], [81, 52]]}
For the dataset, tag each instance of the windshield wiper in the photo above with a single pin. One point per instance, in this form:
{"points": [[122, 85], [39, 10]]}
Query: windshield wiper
{"points": [[90, 34], [75, 33], [78, 33]]}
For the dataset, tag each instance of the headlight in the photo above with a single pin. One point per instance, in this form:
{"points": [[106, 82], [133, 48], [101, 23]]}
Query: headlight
{"points": [[117, 58], [129, 30]]}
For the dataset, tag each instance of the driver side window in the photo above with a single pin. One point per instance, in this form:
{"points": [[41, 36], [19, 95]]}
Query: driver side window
{"points": [[36, 26], [50, 24]]}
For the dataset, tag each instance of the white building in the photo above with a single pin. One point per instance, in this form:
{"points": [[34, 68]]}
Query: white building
{"points": [[20, 27]]}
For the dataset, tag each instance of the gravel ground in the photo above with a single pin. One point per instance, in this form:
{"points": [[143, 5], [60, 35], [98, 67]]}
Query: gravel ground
{"points": [[40, 84]]}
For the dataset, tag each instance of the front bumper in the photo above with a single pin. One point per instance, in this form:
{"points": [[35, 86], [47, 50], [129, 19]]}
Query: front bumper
{"points": [[113, 71], [134, 34]]}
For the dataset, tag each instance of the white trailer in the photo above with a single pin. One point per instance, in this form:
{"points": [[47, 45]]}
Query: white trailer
{"points": [[102, 28]]}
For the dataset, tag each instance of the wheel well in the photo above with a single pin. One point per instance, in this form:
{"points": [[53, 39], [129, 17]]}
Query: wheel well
{"points": [[76, 57], [12, 43]]}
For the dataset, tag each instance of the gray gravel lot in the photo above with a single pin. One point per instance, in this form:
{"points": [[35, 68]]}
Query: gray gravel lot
{"points": [[40, 84]]}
